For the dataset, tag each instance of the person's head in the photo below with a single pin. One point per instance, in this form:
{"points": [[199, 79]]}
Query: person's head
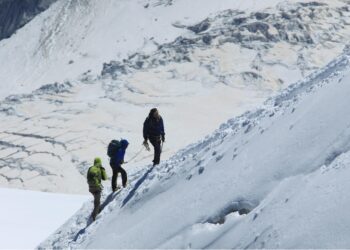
{"points": [[124, 143], [98, 162], [154, 113]]}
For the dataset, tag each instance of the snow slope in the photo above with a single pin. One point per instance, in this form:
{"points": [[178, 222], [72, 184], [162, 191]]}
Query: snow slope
{"points": [[276, 177], [28, 217], [199, 62]]}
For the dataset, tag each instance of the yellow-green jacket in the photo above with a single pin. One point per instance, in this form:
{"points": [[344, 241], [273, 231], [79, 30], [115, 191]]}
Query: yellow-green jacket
{"points": [[95, 175]]}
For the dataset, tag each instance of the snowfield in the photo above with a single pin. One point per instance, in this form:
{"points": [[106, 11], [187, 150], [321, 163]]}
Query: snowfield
{"points": [[90, 71], [273, 178], [275, 175], [28, 217]]}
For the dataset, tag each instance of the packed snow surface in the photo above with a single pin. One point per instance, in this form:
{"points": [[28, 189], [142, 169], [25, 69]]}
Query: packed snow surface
{"points": [[91, 70], [28, 217], [276, 177]]}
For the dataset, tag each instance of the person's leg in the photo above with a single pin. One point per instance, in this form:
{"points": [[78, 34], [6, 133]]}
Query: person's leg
{"points": [[114, 178], [154, 144], [97, 202], [124, 176], [157, 151]]}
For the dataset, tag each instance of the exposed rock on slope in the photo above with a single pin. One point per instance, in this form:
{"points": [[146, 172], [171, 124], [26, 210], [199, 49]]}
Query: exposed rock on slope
{"points": [[16, 13]]}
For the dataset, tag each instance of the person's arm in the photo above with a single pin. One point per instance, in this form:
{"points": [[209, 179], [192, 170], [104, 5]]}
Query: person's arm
{"points": [[145, 129], [103, 173], [162, 129]]}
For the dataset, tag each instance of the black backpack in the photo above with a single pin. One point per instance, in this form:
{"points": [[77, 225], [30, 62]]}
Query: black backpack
{"points": [[113, 148]]}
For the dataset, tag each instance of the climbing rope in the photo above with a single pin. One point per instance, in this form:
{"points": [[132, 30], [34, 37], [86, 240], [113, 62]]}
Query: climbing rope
{"points": [[137, 154]]}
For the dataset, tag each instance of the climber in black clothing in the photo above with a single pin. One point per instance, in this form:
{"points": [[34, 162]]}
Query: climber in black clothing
{"points": [[153, 130]]}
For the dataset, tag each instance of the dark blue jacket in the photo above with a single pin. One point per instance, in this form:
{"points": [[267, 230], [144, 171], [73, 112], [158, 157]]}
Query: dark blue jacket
{"points": [[118, 159], [153, 127]]}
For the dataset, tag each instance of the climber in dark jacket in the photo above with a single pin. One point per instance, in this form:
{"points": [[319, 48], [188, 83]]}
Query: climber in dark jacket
{"points": [[153, 130], [116, 165]]}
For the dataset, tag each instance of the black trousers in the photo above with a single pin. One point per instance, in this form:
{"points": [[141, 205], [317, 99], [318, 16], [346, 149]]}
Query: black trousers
{"points": [[156, 143], [116, 170]]}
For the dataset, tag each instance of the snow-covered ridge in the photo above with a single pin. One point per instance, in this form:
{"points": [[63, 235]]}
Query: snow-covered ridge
{"points": [[294, 148], [48, 137]]}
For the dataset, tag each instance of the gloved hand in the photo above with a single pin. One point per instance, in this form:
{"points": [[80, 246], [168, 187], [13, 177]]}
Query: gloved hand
{"points": [[145, 144], [163, 138]]}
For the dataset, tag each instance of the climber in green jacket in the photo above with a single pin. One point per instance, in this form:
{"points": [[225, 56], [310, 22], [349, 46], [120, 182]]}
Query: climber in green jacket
{"points": [[95, 175]]}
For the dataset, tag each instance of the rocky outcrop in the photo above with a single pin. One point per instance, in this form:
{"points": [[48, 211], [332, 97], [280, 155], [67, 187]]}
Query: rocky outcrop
{"points": [[14, 14]]}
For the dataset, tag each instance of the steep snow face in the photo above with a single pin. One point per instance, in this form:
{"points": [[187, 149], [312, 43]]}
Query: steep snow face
{"points": [[28, 217], [200, 69], [273, 178]]}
